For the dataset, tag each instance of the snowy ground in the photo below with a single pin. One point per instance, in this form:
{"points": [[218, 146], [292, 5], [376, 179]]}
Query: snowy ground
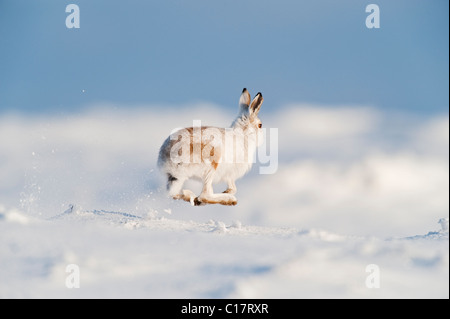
{"points": [[352, 204], [122, 255]]}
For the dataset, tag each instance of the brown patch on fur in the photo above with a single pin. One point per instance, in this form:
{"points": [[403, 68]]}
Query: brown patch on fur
{"points": [[198, 145], [197, 202]]}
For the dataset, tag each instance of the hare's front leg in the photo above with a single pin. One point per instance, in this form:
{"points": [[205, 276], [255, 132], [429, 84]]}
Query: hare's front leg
{"points": [[207, 196], [231, 188]]}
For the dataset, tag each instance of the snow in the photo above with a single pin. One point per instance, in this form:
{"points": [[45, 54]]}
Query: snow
{"points": [[348, 206], [126, 256]]}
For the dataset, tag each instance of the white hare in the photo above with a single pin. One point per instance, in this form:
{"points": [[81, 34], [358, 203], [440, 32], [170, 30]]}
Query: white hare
{"points": [[213, 155]]}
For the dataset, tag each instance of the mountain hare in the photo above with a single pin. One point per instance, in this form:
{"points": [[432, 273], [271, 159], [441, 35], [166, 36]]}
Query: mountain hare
{"points": [[213, 155]]}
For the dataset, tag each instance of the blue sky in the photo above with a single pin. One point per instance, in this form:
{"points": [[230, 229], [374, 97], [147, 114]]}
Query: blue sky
{"points": [[178, 52]]}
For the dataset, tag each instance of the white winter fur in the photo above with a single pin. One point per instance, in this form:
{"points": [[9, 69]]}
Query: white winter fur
{"points": [[213, 155]]}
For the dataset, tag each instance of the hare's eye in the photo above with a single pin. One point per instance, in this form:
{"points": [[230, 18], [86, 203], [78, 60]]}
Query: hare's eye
{"points": [[259, 125]]}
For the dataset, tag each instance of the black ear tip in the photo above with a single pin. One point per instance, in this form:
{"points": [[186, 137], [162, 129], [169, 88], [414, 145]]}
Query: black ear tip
{"points": [[245, 89]]}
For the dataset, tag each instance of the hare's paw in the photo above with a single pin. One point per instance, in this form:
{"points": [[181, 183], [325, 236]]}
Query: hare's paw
{"points": [[223, 199], [232, 201], [227, 199], [197, 202], [186, 195], [178, 196]]}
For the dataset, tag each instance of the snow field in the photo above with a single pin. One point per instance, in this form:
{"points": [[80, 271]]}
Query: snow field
{"points": [[126, 256], [83, 189]]}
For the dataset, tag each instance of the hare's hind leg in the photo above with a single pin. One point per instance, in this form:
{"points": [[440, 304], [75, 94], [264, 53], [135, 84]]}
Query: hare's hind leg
{"points": [[175, 185], [222, 198], [208, 197]]}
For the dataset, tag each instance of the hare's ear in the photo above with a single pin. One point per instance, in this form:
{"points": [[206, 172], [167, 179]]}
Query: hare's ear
{"points": [[244, 100], [256, 104]]}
